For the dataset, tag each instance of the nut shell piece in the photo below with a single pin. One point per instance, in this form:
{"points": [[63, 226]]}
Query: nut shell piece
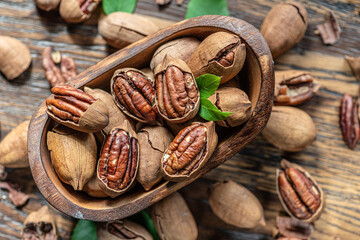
{"points": [[15, 57], [39, 224], [72, 12]]}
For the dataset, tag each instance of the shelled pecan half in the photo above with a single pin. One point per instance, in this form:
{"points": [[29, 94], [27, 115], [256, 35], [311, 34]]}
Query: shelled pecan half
{"points": [[177, 96], [299, 193], [76, 109], [221, 53], [294, 87], [134, 94], [349, 120], [119, 161], [76, 11], [189, 151], [58, 69], [290, 228]]}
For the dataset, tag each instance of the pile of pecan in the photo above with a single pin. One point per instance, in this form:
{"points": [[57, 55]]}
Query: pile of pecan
{"points": [[165, 100]]}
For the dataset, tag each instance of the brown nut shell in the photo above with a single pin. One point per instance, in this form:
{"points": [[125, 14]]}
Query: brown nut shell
{"points": [[181, 48], [290, 228], [120, 29], [299, 193], [177, 95], [133, 92], [229, 99], [77, 11], [189, 151], [290, 129], [153, 141], [284, 27], [122, 229], [15, 57], [173, 219], [93, 189], [119, 161], [116, 116], [77, 110], [47, 5], [13, 148], [73, 155], [221, 54], [294, 87], [236, 205], [39, 224]]}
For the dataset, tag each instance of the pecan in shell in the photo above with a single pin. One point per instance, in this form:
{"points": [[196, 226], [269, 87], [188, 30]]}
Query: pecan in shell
{"points": [[133, 93], [58, 69], [300, 195], [349, 120], [294, 87], [76, 11], [177, 95], [189, 151], [76, 109], [221, 53], [119, 161]]}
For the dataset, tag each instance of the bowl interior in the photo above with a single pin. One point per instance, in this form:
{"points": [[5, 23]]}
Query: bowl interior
{"points": [[249, 79]]}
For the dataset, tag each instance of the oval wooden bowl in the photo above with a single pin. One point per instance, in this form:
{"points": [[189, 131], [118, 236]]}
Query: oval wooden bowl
{"points": [[256, 78]]}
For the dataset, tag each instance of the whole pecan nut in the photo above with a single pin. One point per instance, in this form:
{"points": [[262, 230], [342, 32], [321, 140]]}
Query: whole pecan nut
{"points": [[177, 95], [75, 11], [76, 109], [221, 53], [58, 69], [134, 94], [189, 151], [300, 195], [119, 161], [349, 120], [294, 87]]}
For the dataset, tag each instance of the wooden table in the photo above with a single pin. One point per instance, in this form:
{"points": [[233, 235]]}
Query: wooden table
{"points": [[334, 166]]}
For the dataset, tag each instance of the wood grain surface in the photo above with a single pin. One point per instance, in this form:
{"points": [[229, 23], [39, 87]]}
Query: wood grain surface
{"points": [[330, 162]]}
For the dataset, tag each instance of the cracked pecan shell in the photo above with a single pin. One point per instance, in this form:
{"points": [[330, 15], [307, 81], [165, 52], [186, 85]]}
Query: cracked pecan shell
{"points": [[119, 161], [133, 93], [221, 54], [76, 11], [298, 192], [76, 109], [189, 151], [177, 95]]}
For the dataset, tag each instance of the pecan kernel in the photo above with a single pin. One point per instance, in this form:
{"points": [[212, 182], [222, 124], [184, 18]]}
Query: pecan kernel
{"points": [[118, 160], [135, 93], [349, 121], [299, 193], [69, 103], [186, 150]]}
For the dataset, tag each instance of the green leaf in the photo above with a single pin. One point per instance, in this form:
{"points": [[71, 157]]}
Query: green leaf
{"points": [[209, 112], [207, 84], [145, 220], [207, 7], [84, 230], [111, 6]]}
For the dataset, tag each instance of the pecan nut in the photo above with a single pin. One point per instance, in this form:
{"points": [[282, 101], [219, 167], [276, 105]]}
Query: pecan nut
{"points": [[75, 11], [134, 94], [122, 229], [177, 95], [300, 195], [58, 69], [222, 54], [294, 87], [349, 120], [119, 161], [189, 151], [76, 109]]}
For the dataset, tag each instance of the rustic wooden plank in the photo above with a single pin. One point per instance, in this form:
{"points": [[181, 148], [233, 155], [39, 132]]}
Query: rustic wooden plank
{"points": [[333, 165]]}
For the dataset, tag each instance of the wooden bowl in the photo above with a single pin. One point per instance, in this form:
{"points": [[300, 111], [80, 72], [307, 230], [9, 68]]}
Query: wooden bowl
{"points": [[256, 78]]}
